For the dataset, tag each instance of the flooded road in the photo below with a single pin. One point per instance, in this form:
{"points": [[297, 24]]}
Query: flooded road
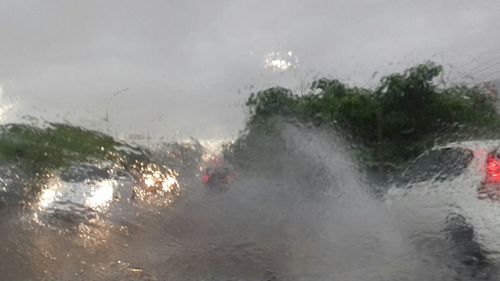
{"points": [[132, 200], [306, 215]]}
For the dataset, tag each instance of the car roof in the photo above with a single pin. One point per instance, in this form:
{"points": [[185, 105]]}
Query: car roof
{"points": [[472, 145]]}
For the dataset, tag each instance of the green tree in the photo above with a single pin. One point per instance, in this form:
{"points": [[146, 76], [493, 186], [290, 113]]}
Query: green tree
{"points": [[390, 124]]}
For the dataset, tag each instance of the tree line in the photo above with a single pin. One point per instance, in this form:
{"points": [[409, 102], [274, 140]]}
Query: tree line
{"points": [[388, 124]]}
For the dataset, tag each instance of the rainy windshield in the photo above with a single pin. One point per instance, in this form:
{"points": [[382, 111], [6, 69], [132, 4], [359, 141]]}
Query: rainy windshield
{"points": [[442, 164], [192, 140]]}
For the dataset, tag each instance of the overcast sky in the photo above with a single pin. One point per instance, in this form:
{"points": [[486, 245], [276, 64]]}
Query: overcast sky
{"points": [[189, 65]]}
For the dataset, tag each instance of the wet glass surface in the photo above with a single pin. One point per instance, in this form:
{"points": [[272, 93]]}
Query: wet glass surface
{"points": [[258, 140], [440, 164]]}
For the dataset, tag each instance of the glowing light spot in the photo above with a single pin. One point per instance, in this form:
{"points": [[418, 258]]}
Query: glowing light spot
{"points": [[61, 195], [280, 62], [169, 183], [101, 196], [156, 184], [48, 196], [149, 180]]}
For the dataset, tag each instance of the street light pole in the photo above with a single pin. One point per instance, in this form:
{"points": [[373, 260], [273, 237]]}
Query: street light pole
{"points": [[106, 118], [149, 126]]}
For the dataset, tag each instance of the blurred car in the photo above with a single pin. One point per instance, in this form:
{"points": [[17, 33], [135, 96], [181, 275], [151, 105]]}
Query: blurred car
{"points": [[218, 174], [455, 187], [79, 194], [478, 161]]}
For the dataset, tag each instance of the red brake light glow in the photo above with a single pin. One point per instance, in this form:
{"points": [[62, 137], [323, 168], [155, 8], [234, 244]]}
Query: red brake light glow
{"points": [[492, 170]]}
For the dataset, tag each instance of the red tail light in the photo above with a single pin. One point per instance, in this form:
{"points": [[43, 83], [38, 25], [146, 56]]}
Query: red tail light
{"points": [[205, 179], [492, 170]]}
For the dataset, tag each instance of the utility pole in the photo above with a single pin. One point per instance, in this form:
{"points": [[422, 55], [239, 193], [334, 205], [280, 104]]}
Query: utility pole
{"points": [[149, 146], [159, 117], [106, 118]]}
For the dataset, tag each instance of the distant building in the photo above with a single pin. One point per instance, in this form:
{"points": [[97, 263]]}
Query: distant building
{"points": [[139, 139]]}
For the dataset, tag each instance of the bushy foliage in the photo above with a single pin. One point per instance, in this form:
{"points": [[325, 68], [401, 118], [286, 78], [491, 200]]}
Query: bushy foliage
{"points": [[59, 145], [392, 123]]}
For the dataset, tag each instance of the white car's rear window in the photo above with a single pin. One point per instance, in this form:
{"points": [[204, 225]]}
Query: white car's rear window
{"points": [[440, 164]]}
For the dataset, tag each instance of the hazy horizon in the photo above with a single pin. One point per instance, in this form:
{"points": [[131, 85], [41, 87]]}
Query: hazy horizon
{"points": [[189, 65]]}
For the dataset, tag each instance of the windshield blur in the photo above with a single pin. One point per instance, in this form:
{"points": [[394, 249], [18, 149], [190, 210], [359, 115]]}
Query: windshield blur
{"points": [[257, 140]]}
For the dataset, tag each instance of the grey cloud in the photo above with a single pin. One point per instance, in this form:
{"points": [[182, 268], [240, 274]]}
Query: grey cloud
{"points": [[192, 61]]}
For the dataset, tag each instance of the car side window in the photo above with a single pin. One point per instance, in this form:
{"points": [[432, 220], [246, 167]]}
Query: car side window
{"points": [[438, 165]]}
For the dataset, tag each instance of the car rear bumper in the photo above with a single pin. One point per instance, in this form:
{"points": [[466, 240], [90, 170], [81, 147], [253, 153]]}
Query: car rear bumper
{"points": [[489, 191]]}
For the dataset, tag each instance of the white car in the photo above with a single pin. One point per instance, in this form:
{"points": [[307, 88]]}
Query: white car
{"points": [[457, 180], [79, 194]]}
